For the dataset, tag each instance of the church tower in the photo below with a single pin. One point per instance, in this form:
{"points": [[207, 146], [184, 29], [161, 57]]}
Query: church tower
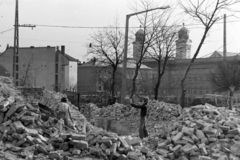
{"points": [[137, 44], [183, 44]]}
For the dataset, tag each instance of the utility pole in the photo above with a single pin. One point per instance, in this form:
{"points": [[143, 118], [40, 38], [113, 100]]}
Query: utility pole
{"points": [[16, 46], [224, 38]]}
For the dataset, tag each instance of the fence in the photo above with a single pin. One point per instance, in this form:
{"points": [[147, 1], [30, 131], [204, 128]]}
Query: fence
{"points": [[76, 98]]}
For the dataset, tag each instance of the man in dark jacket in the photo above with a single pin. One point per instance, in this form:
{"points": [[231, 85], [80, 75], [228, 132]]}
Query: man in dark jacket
{"points": [[142, 128]]}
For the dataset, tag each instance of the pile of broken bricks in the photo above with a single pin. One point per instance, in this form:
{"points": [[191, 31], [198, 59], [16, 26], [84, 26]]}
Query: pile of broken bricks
{"points": [[128, 116], [202, 133], [89, 110], [29, 134]]}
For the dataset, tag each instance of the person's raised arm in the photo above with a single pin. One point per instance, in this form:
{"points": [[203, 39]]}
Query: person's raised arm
{"points": [[136, 106]]}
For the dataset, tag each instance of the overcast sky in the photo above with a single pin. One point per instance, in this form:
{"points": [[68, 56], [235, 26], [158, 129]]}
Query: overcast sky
{"points": [[91, 13]]}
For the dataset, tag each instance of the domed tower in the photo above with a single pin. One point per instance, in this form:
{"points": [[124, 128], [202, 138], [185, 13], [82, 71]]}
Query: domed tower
{"points": [[137, 44], [183, 44]]}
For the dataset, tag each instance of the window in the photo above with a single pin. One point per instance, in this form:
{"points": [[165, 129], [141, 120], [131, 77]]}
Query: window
{"points": [[56, 66]]}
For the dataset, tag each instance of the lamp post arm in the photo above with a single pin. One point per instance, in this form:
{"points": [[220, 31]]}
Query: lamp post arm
{"points": [[164, 7]]}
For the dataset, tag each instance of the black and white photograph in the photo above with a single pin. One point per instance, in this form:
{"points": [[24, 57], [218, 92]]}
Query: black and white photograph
{"points": [[119, 79]]}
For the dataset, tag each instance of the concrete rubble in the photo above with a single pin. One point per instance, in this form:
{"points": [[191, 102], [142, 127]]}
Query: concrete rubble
{"points": [[28, 133], [124, 120], [202, 132]]}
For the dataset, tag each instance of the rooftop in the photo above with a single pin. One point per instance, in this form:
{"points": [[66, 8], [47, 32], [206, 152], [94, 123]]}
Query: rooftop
{"points": [[220, 54]]}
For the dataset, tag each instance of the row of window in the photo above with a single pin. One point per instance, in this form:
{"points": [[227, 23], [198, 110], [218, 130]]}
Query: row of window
{"points": [[190, 79], [192, 92], [192, 71]]}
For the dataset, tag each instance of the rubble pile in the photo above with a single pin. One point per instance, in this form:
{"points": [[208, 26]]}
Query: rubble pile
{"points": [[202, 133], [127, 117], [51, 99], [163, 111], [7, 88], [31, 94], [89, 110], [26, 133]]}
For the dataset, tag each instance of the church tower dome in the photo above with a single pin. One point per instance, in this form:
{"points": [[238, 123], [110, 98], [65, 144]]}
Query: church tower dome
{"points": [[139, 35], [137, 44], [183, 33], [183, 44]]}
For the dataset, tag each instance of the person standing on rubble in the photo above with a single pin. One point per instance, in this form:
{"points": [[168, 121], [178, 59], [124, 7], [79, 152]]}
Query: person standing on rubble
{"points": [[143, 106], [63, 111]]}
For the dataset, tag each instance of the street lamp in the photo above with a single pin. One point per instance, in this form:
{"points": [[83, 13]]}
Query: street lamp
{"points": [[123, 91]]}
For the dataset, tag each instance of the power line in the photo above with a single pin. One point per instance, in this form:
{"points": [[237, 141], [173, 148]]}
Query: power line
{"points": [[6, 30], [45, 40], [99, 27]]}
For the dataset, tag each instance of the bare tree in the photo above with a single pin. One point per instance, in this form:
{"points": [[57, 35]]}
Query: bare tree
{"points": [[29, 73], [145, 82], [164, 48], [107, 46], [150, 22], [104, 75], [226, 77], [207, 12]]}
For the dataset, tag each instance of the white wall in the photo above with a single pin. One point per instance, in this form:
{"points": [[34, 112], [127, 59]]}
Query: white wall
{"points": [[73, 74]]}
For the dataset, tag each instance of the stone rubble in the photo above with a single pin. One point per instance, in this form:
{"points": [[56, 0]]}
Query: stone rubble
{"points": [[201, 132], [28, 133], [127, 117]]}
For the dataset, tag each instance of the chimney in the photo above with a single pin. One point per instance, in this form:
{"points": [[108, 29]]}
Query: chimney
{"points": [[63, 50]]}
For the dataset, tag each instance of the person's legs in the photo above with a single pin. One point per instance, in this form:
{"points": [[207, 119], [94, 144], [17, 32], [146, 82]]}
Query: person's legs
{"points": [[145, 133], [141, 126]]}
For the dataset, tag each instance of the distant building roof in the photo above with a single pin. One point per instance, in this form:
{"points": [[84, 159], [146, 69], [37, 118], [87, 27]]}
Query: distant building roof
{"points": [[70, 58], [93, 64], [220, 54], [132, 64]]}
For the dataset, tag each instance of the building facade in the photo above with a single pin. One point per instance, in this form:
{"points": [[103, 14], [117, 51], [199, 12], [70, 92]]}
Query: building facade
{"points": [[197, 84], [95, 77], [46, 67]]}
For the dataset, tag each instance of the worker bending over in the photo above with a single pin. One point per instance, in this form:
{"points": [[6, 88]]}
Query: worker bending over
{"points": [[63, 111]]}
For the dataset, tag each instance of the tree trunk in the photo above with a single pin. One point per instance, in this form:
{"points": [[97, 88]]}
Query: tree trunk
{"points": [[188, 68], [230, 100], [158, 82], [113, 82], [134, 82]]}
